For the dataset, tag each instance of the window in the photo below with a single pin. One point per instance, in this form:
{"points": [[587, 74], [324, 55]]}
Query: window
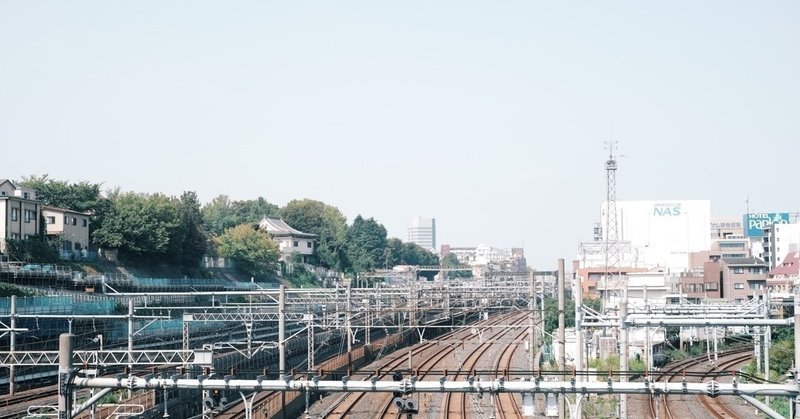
{"points": [[308, 244], [50, 220], [28, 216], [84, 222], [738, 286], [27, 237], [25, 195], [711, 286], [296, 244], [733, 245], [738, 270], [14, 236], [14, 214]]}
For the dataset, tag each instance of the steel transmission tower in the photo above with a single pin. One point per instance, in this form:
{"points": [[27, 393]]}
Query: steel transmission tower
{"points": [[612, 248]]}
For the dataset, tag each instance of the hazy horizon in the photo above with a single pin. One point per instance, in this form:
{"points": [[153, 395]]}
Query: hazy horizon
{"points": [[490, 118]]}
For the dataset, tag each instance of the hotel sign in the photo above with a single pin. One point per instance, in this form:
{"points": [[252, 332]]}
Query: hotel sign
{"points": [[756, 223]]}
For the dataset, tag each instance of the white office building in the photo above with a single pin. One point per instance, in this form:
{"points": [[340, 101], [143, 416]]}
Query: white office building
{"points": [[662, 233], [423, 233]]}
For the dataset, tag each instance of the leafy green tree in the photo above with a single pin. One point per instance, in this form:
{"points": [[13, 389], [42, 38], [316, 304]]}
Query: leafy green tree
{"points": [[139, 225], [36, 250], [328, 223], [218, 216], [393, 253], [254, 210], [781, 355], [413, 254], [451, 261], [81, 197], [253, 251], [188, 242], [366, 243]]}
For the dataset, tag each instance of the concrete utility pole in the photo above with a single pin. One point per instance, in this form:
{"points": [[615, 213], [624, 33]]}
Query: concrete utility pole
{"points": [[562, 359], [282, 332], [532, 320], [623, 353], [577, 290], [797, 341], [12, 343], [64, 369]]}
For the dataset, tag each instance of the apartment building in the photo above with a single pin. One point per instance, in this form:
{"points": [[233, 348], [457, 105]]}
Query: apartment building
{"points": [[70, 228], [19, 212]]}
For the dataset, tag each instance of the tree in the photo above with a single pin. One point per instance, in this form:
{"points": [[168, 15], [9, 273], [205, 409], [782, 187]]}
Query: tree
{"points": [[451, 261], [328, 223], [81, 197], [188, 242], [393, 253], [366, 243], [253, 211], [218, 216], [414, 254], [139, 225], [253, 251]]}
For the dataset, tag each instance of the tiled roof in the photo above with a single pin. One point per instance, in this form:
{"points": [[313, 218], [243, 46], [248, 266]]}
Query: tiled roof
{"points": [[789, 266], [743, 261], [277, 227]]}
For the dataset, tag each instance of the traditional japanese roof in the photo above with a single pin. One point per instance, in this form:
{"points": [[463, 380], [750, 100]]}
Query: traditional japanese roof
{"points": [[279, 228], [743, 261], [789, 267]]}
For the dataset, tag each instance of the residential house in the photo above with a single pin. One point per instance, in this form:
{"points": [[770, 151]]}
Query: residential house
{"points": [[71, 228], [19, 212], [290, 241], [781, 279]]}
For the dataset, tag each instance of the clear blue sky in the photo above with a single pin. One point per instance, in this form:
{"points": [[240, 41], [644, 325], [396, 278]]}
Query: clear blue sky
{"points": [[489, 116]]}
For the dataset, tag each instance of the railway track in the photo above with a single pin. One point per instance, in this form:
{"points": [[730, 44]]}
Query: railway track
{"points": [[506, 405], [431, 353], [728, 359], [455, 404], [715, 405]]}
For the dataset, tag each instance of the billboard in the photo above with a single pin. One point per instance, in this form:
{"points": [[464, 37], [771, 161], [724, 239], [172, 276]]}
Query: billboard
{"points": [[663, 233], [754, 224]]}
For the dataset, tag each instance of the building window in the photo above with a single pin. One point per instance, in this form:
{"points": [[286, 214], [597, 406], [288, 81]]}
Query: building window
{"points": [[14, 214], [733, 245], [50, 220], [14, 236], [296, 243], [84, 222], [308, 244], [74, 221], [711, 286], [27, 237], [738, 270], [25, 195], [28, 216], [738, 286]]}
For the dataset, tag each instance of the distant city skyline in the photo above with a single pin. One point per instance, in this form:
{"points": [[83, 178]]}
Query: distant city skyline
{"points": [[492, 117]]}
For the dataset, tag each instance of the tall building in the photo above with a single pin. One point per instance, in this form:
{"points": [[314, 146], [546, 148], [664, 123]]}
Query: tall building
{"points": [[662, 233], [423, 232]]}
